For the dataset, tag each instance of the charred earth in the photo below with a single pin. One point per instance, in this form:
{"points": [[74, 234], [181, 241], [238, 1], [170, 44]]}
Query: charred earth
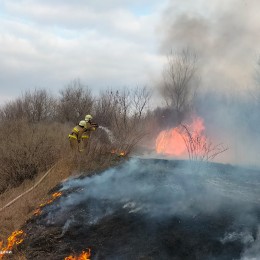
{"points": [[152, 209]]}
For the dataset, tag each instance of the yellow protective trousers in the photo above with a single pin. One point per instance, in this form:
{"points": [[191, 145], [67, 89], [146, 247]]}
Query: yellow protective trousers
{"points": [[73, 142]]}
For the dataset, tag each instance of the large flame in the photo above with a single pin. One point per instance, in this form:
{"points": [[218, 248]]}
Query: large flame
{"points": [[83, 256], [15, 239], [172, 142], [54, 196]]}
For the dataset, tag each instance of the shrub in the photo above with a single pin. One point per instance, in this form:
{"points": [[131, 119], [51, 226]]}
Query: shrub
{"points": [[33, 106], [27, 149]]}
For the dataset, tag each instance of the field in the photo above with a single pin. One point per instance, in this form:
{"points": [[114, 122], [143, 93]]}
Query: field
{"points": [[149, 208]]}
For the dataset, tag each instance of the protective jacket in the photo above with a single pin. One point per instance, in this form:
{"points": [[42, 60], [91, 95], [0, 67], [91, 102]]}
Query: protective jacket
{"points": [[77, 132], [88, 128]]}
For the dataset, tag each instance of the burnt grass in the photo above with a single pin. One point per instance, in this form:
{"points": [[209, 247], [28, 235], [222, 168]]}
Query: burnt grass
{"points": [[124, 232]]}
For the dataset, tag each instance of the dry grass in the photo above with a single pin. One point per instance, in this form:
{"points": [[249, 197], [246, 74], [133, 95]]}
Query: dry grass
{"points": [[28, 149], [14, 216], [32, 142], [96, 157]]}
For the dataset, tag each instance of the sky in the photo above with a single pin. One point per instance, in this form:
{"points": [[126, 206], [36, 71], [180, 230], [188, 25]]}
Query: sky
{"points": [[48, 43], [118, 43]]}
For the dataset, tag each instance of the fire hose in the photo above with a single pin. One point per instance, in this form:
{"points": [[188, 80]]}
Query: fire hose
{"points": [[33, 187]]}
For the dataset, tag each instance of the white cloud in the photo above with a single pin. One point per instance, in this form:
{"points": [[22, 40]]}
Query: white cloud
{"points": [[48, 43]]}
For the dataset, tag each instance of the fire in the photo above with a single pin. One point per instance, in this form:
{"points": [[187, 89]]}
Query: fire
{"points": [[55, 195], [172, 142], [83, 256], [119, 153], [122, 153], [15, 239], [37, 212]]}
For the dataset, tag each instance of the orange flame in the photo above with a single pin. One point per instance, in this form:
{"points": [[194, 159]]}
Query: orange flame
{"points": [[118, 152], [171, 142], [83, 256], [55, 195], [15, 239]]}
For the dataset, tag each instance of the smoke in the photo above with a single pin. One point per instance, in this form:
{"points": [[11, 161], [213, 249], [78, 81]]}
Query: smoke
{"points": [[252, 252], [251, 243], [225, 36], [160, 190], [234, 122], [161, 184]]}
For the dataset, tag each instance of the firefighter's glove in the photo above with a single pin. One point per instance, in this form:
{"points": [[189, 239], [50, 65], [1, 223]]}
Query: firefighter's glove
{"points": [[94, 125]]}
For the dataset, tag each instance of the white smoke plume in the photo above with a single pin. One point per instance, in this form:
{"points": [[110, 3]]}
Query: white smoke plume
{"points": [[253, 251], [224, 34], [159, 191], [162, 189]]}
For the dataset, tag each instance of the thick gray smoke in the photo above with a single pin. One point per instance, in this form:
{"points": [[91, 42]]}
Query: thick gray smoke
{"points": [[235, 122], [225, 36], [161, 190]]}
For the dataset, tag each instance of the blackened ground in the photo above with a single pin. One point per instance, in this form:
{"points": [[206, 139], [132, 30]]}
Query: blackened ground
{"points": [[152, 209]]}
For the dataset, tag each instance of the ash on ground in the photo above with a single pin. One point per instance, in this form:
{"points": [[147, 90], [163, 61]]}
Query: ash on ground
{"points": [[152, 209]]}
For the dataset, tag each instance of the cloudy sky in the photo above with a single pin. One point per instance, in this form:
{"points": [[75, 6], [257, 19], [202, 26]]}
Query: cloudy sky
{"points": [[114, 43], [48, 43]]}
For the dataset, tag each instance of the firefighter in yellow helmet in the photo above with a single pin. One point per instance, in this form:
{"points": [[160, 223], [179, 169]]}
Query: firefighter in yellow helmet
{"points": [[75, 136], [90, 126]]}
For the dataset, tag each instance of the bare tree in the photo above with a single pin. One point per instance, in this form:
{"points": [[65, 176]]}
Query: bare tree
{"points": [[128, 119], [104, 107], [122, 112], [141, 98], [179, 85], [34, 106], [12, 110], [199, 147], [75, 102], [39, 105]]}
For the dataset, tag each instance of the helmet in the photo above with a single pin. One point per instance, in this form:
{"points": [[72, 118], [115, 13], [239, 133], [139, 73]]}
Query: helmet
{"points": [[82, 123], [88, 118]]}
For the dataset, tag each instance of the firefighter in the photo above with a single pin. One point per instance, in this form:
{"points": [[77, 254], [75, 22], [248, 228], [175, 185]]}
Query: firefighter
{"points": [[90, 126], [75, 136]]}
